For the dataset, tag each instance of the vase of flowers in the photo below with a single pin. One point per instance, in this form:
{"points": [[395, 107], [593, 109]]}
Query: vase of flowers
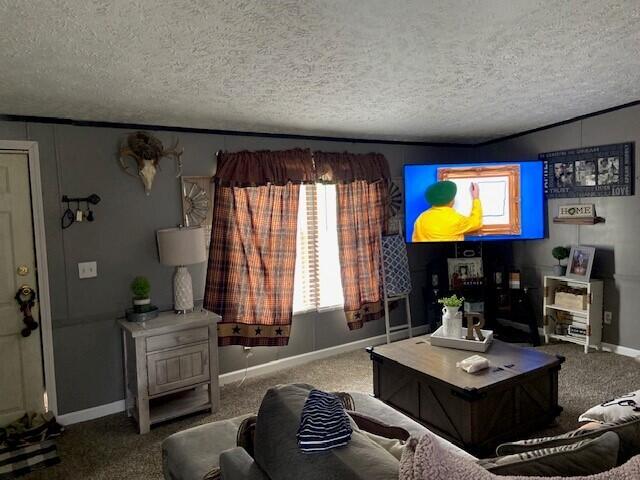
{"points": [[560, 253], [451, 315]]}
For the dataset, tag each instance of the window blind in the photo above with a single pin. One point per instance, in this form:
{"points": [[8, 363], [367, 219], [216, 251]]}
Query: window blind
{"points": [[318, 284]]}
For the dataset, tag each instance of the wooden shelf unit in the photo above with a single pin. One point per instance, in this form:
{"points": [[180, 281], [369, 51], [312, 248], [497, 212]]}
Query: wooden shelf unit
{"points": [[590, 319]]}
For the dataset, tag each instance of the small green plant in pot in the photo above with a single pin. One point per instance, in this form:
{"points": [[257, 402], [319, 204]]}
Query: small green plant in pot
{"points": [[451, 315], [141, 288], [560, 253], [452, 301]]}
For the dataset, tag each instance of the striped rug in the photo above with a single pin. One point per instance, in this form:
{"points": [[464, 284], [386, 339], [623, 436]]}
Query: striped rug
{"points": [[17, 461]]}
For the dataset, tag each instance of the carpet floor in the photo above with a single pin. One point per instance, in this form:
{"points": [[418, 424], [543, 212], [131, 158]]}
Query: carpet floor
{"points": [[110, 448]]}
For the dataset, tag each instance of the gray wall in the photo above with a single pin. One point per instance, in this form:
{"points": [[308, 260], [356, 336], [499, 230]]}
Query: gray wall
{"points": [[77, 161], [617, 259], [81, 160]]}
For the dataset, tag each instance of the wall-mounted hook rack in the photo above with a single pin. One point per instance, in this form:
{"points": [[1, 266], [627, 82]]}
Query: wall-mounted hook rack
{"points": [[92, 199], [69, 217]]}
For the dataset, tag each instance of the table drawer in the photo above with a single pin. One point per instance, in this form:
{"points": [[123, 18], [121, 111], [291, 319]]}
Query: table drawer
{"points": [[175, 339], [178, 368]]}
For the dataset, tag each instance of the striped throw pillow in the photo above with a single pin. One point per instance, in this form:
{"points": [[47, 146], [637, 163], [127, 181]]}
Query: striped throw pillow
{"points": [[323, 424]]}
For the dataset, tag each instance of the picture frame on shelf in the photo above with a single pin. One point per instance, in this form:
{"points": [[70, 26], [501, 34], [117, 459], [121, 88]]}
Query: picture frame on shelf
{"points": [[464, 272], [580, 262]]}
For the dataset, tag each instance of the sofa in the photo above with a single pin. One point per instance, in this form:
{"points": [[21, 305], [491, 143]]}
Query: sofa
{"points": [[265, 446], [193, 453]]}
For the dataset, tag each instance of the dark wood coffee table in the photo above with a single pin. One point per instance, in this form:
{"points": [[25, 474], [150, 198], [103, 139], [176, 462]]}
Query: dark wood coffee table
{"points": [[516, 395]]}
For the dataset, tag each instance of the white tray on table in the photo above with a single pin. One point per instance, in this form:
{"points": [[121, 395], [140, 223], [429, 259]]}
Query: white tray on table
{"points": [[461, 343]]}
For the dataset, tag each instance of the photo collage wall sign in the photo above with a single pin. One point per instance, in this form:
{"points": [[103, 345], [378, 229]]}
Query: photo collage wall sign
{"points": [[601, 171]]}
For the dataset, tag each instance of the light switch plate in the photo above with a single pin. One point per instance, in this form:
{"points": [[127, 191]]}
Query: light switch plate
{"points": [[608, 317], [88, 269]]}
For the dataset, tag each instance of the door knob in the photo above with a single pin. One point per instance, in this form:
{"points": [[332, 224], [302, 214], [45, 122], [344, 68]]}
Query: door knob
{"points": [[23, 270], [26, 291]]}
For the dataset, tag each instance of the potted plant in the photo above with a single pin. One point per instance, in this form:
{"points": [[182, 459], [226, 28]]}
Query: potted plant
{"points": [[560, 253], [140, 287], [451, 315]]}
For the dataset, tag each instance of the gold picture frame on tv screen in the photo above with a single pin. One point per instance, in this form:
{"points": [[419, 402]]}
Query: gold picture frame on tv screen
{"points": [[499, 195]]}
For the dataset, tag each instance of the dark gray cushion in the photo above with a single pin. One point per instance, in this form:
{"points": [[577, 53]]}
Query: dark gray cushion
{"points": [[192, 453], [628, 429], [276, 446], [586, 457], [236, 464]]}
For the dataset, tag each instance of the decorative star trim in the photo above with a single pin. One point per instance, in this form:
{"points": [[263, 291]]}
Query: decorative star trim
{"points": [[244, 330]]}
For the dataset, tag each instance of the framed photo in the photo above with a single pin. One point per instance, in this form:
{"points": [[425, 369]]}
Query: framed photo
{"points": [[580, 262], [464, 271], [600, 171], [499, 193]]}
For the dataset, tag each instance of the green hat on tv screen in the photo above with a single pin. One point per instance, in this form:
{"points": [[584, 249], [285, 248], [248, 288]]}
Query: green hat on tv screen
{"points": [[441, 193]]}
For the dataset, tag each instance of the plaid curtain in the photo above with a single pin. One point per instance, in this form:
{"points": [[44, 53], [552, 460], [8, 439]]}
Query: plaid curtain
{"points": [[361, 222], [251, 263]]}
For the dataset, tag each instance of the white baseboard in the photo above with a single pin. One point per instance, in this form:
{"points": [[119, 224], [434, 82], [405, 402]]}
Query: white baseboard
{"points": [[296, 360], [91, 413], [620, 350], [263, 369]]}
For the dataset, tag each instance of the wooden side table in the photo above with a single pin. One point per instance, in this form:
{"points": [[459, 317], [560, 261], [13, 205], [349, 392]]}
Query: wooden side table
{"points": [[170, 366]]}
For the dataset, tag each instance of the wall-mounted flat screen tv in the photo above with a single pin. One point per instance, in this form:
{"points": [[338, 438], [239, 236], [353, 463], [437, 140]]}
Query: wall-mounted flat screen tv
{"points": [[476, 201]]}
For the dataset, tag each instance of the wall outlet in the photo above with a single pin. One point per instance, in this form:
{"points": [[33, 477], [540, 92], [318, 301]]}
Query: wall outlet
{"points": [[608, 318], [247, 351], [88, 269]]}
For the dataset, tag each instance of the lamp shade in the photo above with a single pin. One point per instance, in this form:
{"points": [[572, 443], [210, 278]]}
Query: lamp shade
{"points": [[181, 246]]}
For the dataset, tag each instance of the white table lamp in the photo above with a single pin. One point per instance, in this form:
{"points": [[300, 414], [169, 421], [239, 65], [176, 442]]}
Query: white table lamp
{"points": [[178, 247]]}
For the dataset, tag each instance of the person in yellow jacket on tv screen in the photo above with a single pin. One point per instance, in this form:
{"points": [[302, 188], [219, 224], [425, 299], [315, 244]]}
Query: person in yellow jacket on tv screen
{"points": [[441, 223]]}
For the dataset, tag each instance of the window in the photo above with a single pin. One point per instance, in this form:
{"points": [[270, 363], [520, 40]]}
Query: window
{"points": [[317, 281]]}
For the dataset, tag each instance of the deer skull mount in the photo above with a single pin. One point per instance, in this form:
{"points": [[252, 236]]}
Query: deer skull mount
{"points": [[146, 150]]}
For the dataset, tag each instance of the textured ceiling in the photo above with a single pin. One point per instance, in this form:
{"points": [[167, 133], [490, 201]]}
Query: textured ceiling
{"points": [[460, 71]]}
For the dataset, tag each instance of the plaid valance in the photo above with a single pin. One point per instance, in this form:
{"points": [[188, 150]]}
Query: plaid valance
{"points": [[344, 167], [252, 169]]}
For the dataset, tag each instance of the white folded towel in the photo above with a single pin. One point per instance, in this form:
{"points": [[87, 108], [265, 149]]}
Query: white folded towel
{"points": [[473, 364]]}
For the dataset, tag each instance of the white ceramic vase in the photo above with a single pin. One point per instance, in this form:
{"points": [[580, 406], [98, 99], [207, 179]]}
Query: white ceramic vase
{"points": [[452, 321]]}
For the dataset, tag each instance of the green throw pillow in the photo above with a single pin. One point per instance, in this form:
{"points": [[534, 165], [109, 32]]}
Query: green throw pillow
{"points": [[586, 457], [628, 429]]}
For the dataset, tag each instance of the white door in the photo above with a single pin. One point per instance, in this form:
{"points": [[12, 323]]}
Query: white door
{"points": [[21, 371]]}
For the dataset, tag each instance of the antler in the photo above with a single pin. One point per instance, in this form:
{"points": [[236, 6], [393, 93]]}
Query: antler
{"points": [[127, 152], [175, 154]]}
